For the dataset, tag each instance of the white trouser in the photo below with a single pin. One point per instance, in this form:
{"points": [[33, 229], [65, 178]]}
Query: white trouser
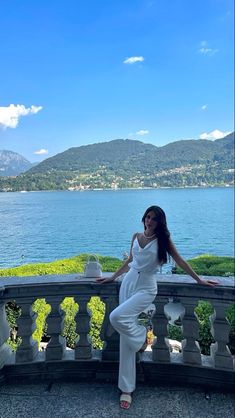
{"points": [[132, 335]]}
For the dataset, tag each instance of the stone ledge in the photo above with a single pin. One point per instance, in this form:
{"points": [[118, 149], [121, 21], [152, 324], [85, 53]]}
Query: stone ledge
{"points": [[97, 369], [78, 278]]}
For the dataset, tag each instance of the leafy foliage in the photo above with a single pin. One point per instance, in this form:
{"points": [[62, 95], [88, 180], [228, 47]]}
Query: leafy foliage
{"points": [[209, 265], [13, 312], [203, 311], [42, 309], [71, 265], [231, 321], [175, 332], [70, 307], [97, 308]]}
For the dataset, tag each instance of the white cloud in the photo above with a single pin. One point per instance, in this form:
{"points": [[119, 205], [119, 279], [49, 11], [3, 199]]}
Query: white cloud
{"points": [[204, 107], [10, 115], [133, 60], [142, 132], [41, 151], [216, 134], [206, 50]]}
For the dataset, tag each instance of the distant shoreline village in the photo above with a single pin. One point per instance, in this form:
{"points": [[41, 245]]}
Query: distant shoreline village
{"points": [[89, 189]]}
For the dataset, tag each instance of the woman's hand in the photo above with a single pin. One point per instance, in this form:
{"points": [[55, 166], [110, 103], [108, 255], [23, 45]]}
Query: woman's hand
{"points": [[211, 283], [102, 280]]}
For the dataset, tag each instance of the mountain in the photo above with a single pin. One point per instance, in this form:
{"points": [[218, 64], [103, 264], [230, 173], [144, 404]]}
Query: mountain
{"points": [[12, 164], [112, 155], [129, 163]]}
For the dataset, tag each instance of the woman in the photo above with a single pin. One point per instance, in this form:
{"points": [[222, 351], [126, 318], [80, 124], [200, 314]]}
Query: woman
{"points": [[149, 250]]}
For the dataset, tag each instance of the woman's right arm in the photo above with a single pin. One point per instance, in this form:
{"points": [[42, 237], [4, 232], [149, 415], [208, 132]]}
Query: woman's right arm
{"points": [[123, 269]]}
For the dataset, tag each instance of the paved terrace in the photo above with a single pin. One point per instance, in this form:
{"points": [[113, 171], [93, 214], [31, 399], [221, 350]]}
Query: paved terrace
{"points": [[66, 383], [100, 400]]}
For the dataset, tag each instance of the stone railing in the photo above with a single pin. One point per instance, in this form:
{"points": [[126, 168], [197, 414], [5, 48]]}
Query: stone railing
{"points": [[177, 295]]}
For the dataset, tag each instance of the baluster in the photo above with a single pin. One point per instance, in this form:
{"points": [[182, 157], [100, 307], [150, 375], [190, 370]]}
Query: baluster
{"points": [[108, 334], [160, 347], [220, 331], [5, 350], [28, 349], [83, 349], [57, 345], [190, 347]]}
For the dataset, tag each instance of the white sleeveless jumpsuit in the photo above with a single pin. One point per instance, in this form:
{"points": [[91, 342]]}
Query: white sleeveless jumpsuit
{"points": [[137, 292]]}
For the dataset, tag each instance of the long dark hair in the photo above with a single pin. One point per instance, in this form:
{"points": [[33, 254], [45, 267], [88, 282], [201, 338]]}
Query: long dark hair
{"points": [[161, 232]]}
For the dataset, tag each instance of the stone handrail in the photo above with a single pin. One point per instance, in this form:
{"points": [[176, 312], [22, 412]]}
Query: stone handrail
{"points": [[158, 364]]}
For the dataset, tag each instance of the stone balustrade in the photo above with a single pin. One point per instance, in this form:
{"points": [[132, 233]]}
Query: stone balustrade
{"points": [[158, 364]]}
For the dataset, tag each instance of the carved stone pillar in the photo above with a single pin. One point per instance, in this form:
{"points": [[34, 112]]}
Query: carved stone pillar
{"points": [[190, 347], [57, 345], [5, 350], [220, 331], [83, 349], [28, 349], [108, 334], [160, 347]]}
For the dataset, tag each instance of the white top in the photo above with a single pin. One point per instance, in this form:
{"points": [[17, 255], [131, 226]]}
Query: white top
{"points": [[145, 259]]}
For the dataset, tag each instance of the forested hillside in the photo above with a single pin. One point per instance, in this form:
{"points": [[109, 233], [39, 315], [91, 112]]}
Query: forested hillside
{"points": [[129, 163]]}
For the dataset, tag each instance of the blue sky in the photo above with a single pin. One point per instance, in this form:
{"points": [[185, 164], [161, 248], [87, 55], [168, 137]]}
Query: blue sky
{"points": [[79, 72]]}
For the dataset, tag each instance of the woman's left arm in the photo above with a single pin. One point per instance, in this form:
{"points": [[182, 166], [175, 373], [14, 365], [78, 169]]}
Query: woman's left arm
{"points": [[186, 267]]}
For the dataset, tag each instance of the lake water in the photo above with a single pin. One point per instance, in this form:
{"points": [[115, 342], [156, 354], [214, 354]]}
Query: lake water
{"points": [[45, 226]]}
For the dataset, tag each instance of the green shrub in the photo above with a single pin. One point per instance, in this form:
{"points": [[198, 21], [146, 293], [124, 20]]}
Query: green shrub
{"points": [[209, 265], [42, 310], [71, 265], [230, 315], [175, 332], [203, 311], [13, 312], [70, 307], [97, 308], [97, 314], [231, 320]]}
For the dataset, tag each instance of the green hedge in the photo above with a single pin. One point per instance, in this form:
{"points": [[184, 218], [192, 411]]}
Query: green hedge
{"points": [[71, 265], [209, 265]]}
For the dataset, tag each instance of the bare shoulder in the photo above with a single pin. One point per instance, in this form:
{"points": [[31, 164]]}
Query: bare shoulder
{"points": [[135, 235]]}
